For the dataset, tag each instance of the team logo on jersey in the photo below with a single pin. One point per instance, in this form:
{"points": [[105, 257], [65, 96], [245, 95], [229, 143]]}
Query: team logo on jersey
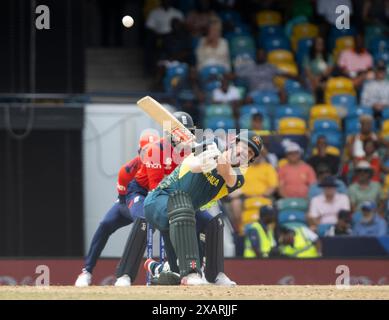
{"points": [[153, 165], [184, 120], [193, 264]]}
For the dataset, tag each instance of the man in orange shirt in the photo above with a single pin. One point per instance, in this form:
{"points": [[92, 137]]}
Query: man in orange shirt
{"points": [[296, 176]]}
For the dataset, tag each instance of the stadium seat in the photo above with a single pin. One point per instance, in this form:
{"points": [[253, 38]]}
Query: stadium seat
{"points": [[242, 44], [291, 126], [343, 43], [294, 22], [372, 32], [352, 126], [303, 48], [287, 112], [215, 123], [288, 68], [245, 121], [382, 56], [174, 75], [359, 110], [211, 72], [303, 30], [380, 44], [301, 98], [300, 204], [275, 43], [215, 110], [344, 103], [265, 97], [334, 139], [325, 125], [230, 16], [292, 86], [385, 129], [253, 108], [280, 56], [291, 216], [336, 33], [338, 85], [268, 32], [268, 18], [323, 112], [323, 228]]}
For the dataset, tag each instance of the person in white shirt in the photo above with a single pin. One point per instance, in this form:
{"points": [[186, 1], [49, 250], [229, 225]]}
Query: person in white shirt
{"points": [[227, 93], [375, 93], [324, 208], [159, 19], [213, 49]]}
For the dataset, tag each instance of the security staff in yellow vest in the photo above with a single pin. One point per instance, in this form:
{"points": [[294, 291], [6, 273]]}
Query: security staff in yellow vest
{"points": [[259, 236], [299, 242]]}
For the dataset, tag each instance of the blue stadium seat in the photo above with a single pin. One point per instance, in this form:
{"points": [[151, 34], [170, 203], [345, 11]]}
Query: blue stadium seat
{"points": [[334, 139], [174, 74], [382, 56], [352, 126], [379, 44], [268, 32], [299, 204], [230, 16], [242, 44], [292, 86], [323, 228], [286, 112], [301, 98], [385, 114], [219, 123], [325, 126], [211, 72], [287, 216], [253, 108], [245, 121], [265, 97], [359, 110], [303, 48], [274, 43]]}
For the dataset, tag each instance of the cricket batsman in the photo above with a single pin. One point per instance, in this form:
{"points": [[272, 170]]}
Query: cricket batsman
{"points": [[200, 179], [136, 178]]}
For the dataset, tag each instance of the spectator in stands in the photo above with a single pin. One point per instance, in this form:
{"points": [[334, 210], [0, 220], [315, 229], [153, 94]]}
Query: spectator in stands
{"points": [[213, 49], [324, 208], [356, 63], [259, 76], [364, 189], [317, 67], [228, 94], [298, 242], [259, 235], [324, 155], [343, 226], [158, 25], [354, 143], [375, 93], [198, 19], [371, 224], [296, 176], [370, 148], [261, 182], [323, 171]]}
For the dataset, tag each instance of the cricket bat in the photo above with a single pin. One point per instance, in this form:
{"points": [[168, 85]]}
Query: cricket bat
{"points": [[166, 119]]}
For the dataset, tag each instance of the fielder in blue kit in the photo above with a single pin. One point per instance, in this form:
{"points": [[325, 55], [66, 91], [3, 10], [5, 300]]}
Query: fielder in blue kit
{"points": [[198, 181]]}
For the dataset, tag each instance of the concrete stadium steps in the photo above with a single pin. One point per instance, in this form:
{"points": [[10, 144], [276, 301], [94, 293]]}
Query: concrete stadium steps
{"points": [[115, 69]]}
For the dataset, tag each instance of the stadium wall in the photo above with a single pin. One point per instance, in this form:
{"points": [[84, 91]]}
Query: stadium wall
{"points": [[266, 272]]}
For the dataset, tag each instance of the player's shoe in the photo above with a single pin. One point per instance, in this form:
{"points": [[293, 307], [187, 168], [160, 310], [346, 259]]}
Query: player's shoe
{"points": [[166, 278], [193, 279], [84, 279], [123, 281], [223, 280]]}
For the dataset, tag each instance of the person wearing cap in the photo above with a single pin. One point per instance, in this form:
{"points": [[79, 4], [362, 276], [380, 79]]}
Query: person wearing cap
{"points": [[354, 143], [295, 176], [259, 235], [375, 93], [371, 224], [343, 226], [324, 208], [298, 241], [322, 172], [364, 188]]}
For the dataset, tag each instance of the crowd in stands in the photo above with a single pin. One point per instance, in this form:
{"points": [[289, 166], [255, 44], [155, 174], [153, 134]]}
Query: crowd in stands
{"points": [[317, 94]]}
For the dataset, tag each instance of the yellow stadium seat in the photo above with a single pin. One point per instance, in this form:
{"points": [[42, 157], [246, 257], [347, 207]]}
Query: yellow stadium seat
{"points": [[343, 43], [289, 68], [292, 126], [338, 85], [303, 30], [280, 56], [323, 111], [386, 185], [251, 210], [279, 81], [385, 129], [268, 18], [334, 151]]}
